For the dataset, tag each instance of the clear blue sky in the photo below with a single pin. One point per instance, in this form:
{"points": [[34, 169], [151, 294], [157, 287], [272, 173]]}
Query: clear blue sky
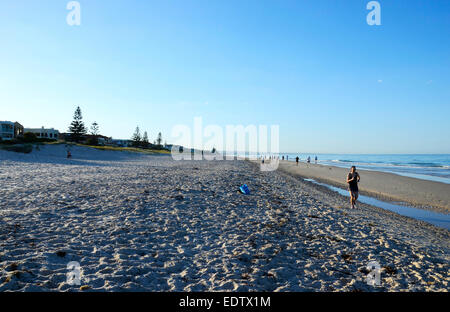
{"points": [[331, 82]]}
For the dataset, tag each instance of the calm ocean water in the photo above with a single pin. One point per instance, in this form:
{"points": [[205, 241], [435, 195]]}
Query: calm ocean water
{"points": [[426, 167]]}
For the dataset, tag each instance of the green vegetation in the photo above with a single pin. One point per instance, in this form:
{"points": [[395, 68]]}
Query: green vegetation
{"points": [[159, 140], [94, 132], [136, 138], [18, 148], [28, 147], [77, 128], [128, 149], [27, 138], [145, 142], [78, 136]]}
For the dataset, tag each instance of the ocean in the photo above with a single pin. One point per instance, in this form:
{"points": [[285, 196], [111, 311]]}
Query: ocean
{"points": [[433, 167]]}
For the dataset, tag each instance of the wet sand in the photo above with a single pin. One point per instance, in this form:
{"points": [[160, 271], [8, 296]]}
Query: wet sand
{"points": [[419, 193]]}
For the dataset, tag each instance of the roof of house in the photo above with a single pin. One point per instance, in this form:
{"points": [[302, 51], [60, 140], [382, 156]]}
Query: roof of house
{"points": [[7, 122]]}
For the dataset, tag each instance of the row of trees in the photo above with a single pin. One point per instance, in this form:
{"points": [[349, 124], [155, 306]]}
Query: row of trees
{"points": [[78, 131], [143, 141]]}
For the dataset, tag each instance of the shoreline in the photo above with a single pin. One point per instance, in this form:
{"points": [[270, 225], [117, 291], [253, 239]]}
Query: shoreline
{"points": [[429, 169], [137, 222], [423, 194]]}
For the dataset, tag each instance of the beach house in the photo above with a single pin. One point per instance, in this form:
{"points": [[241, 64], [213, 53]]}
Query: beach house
{"points": [[10, 130], [44, 133], [120, 143]]}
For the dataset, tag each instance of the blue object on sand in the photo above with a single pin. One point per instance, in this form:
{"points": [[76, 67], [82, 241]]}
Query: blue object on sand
{"points": [[244, 189]]}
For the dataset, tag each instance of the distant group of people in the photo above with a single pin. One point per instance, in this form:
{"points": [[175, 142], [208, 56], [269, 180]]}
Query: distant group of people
{"points": [[297, 159], [268, 157], [352, 179]]}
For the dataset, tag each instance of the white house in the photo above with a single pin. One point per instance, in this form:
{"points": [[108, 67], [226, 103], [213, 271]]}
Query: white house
{"points": [[44, 133], [10, 130], [120, 143], [7, 130]]}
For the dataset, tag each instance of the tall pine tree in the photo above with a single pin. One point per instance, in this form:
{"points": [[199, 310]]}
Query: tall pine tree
{"points": [[95, 132], [145, 142], [77, 128], [159, 140], [94, 129], [136, 137]]}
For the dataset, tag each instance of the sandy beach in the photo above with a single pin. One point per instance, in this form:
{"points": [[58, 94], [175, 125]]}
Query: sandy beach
{"points": [[137, 222], [388, 186]]}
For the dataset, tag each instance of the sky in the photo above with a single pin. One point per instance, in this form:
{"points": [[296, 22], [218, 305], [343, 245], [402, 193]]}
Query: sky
{"points": [[331, 82]]}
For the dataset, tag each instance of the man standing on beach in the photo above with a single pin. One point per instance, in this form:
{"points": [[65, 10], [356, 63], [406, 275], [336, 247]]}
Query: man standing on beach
{"points": [[296, 160], [352, 180]]}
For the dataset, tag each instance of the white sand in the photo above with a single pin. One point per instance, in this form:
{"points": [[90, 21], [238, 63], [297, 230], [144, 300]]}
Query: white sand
{"points": [[119, 216]]}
